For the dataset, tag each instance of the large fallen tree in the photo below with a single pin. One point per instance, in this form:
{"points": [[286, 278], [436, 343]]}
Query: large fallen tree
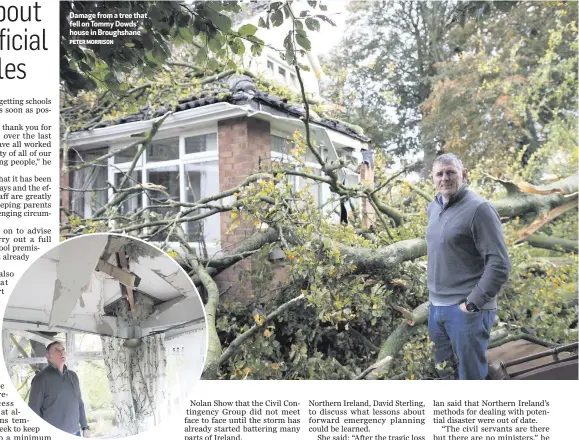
{"points": [[364, 258]]}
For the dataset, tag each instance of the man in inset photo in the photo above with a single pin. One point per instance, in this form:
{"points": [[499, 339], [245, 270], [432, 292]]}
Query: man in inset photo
{"points": [[55, 394]]}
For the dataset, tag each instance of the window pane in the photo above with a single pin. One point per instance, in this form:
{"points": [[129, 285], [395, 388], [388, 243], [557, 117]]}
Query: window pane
{"points": [[283, 145], [126, 155], [169, 178], [279, 144], [200, 144], [97, 397], [314, 186], [134, 201], [22, 375], [270, 65], [281, 71], [202, 180], [87, 342], [164, 149], [310, 156]]}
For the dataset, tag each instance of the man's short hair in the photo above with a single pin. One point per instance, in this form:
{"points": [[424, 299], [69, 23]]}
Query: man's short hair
{"points": [[52, 344], [447, 158]]}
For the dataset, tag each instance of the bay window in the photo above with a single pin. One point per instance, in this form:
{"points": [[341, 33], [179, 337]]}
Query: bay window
{"points": [[187, 166], [280, 146]]}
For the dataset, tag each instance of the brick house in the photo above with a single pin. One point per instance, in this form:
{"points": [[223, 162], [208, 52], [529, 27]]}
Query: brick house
{"points": [[212, 142]]}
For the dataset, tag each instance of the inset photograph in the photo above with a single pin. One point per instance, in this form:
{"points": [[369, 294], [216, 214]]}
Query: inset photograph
{"points": [[104, 335]]}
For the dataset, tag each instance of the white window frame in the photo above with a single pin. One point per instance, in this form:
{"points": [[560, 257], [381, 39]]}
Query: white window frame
{"points": [[183, 159], [298, 180], [73, 356]]}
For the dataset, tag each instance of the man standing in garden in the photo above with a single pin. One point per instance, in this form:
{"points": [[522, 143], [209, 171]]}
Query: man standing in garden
{"points": [[55, 394], [468, 264]]}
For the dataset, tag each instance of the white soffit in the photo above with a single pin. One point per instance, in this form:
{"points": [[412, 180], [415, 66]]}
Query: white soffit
{"points": [[283, 123], [183, 120]]}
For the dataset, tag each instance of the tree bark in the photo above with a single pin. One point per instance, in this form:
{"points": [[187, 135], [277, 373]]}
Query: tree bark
{"points": [[523, 203], [395, 342], [553, 243], [214, 344]]}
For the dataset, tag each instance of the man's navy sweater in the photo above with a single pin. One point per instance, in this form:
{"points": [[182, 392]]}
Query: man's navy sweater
{"points": [[467, 253], [56, 398]]}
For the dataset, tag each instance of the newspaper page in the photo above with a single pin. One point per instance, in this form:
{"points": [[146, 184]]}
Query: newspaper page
{"points": [[249, 220]]}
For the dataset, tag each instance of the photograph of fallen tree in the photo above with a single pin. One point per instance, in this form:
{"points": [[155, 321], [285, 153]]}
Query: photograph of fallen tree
{"points": [[293, 189]]}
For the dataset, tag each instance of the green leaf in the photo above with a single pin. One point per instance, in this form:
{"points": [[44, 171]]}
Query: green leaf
{"points": [[323, 7], [186, 34], [237, 46], [312, 3], [153, 13], [84, 67], [231, 6], [256, 49], [247, 29], [215, 45], [149, 56], [158, 55], [286, 11], [277, 18], [298, 24], [212, 64], [148, 41], [326, 19], [261, 22], [290, 56], [183, 20], [201, 56], [302, 40], [220, 21], [231, 65], [304, 14], [312, 24]]}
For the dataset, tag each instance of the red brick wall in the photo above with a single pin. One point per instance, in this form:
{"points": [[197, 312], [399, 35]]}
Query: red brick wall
{"points": [[243, 142]]}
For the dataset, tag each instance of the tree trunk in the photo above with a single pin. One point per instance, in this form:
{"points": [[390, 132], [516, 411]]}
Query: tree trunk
{"points": [[553, 243]]}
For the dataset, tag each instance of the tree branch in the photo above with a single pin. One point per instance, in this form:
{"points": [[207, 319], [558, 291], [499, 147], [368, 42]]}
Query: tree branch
{"points": [[237, 342]]}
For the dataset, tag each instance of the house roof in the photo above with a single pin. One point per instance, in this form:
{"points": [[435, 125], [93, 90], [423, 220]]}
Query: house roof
{"points": [[240, 90]]}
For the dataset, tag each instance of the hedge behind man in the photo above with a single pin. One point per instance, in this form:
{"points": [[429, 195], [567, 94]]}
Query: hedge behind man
{"points": [[468, 264], [55, 394]]}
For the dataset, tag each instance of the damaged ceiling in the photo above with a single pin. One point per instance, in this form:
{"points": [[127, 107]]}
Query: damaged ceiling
{"points": [[80, 284]]}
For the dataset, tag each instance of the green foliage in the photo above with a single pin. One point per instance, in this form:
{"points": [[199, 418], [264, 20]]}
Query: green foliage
{"points": [[510, 106], [87, 226], [541, 295], [347, 315], [207, 25], [95, 390], [380, 71], [88, 66]]}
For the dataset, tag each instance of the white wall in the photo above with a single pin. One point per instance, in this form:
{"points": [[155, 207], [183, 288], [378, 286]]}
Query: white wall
{"points": [[274, 37]]}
